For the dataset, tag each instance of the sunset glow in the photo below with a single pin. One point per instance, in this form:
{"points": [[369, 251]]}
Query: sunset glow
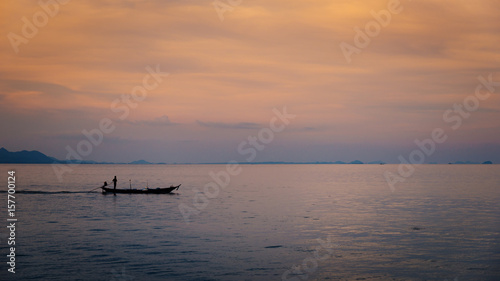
{"points": [[226, 77]]}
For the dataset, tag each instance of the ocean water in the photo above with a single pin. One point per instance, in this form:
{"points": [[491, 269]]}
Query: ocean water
{"points": [[271, 222]]}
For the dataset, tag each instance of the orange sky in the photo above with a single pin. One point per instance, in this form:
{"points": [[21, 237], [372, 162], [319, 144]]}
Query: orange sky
{"points": [[227, 76]]}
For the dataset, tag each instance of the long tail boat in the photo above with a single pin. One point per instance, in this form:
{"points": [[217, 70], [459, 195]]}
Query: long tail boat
{"points": [[158, 190]]}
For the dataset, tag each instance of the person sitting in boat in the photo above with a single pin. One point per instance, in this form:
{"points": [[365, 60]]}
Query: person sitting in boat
{"points": [[105, 184], [114, 182]]}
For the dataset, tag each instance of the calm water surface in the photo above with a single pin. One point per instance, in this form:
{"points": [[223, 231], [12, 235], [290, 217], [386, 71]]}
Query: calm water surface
{"points": [[272, 222]]}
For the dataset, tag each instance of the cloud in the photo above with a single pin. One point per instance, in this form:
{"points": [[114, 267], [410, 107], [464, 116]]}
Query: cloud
{"points": [[76, 137], [159, 121], [38, 95], [220, 125], [12, 86]]}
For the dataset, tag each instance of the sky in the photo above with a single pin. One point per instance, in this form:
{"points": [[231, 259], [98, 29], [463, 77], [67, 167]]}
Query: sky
{"points": [[363, 79]]}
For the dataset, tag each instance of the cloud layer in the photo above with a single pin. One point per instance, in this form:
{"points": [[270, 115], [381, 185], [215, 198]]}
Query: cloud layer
{"points": [[230, 74]]}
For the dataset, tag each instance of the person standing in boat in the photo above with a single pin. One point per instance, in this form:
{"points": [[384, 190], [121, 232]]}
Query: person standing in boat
{"points": [[114, 182]]}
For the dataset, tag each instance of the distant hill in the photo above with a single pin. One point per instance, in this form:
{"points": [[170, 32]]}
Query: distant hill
{"points": [[140, 162], [36, 157], [25, 157], [470, 162]]}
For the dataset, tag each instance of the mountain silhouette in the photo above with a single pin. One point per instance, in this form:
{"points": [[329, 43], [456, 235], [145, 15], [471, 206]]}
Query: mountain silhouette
{"points": [[24, 157]]}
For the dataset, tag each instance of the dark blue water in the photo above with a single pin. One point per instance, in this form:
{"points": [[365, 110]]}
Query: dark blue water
{"points": [[271, 222]]}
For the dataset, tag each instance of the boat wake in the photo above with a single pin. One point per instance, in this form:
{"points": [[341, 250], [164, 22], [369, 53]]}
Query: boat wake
{"points": [[48, 192]]}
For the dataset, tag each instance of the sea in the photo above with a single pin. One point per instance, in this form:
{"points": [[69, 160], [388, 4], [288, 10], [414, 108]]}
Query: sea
{"points": [[251, 222]]}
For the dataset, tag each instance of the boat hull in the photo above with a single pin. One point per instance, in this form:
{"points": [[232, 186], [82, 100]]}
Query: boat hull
{"points": [[141, 191]]}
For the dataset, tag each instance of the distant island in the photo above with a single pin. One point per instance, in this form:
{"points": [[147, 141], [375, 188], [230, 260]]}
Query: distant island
{"points": [[25, 157], [471, 163], [37, 157]]}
